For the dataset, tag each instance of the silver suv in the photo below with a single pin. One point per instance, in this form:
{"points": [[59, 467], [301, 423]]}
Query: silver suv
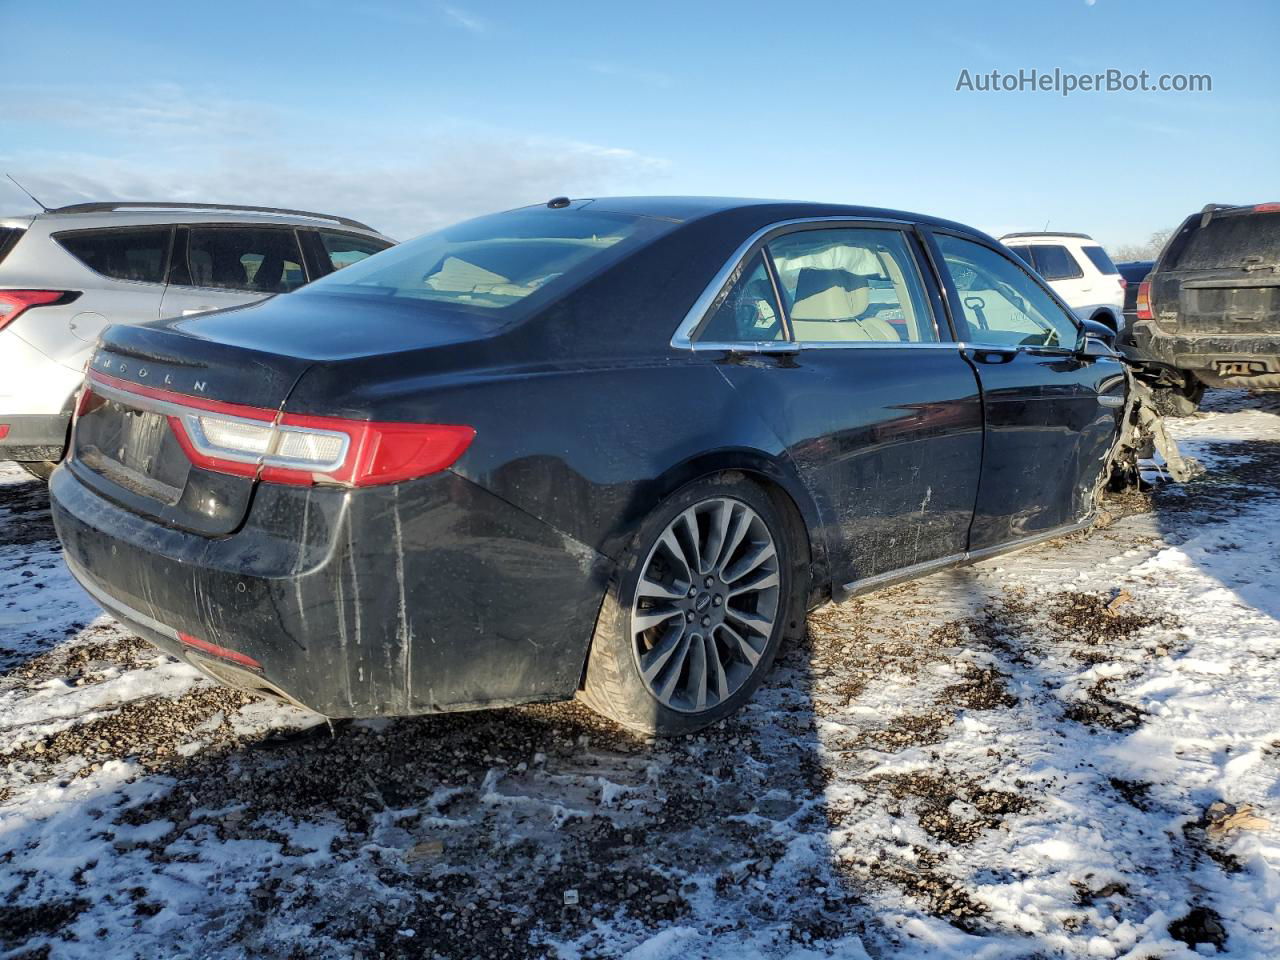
{"points": [[67, 273]]}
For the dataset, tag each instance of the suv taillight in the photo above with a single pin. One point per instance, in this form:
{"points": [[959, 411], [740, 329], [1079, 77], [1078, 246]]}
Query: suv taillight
{"points": [[14, 303], [294, 448], [1144, 301]]}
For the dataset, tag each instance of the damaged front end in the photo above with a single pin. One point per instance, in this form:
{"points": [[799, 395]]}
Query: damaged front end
{"points": [[1142, 436]]}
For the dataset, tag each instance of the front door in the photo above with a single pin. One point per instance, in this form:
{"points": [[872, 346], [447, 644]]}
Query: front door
{"points": [[879, 412], [1051, 414]]}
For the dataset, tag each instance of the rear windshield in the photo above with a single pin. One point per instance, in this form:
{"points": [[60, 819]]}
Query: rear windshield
{"points": [[9, 237], [494, 263], [1098, 257], [1135, 271], [1227, 240]]}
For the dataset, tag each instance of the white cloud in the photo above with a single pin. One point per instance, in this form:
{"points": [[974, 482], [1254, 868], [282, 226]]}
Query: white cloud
{"points": [[464, 18], [172, 143]]}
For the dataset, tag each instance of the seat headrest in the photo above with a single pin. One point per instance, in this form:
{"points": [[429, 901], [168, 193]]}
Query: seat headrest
{"points": [[830, 295]]}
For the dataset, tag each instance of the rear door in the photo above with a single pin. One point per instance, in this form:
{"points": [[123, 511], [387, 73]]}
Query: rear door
{"points": [[876, 405], [1051, 414], [217, 266]]}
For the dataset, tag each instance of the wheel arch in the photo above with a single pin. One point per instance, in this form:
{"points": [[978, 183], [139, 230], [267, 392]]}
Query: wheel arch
{"points": [[780, 481], [1107, 316]]}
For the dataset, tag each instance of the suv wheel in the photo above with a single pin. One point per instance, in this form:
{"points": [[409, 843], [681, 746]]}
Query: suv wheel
{"points": [[693, 620]]}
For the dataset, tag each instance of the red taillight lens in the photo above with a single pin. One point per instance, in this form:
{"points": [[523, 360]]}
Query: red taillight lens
{"points": [[4, 430], [1144, 301], [14, 303], [223, 653], [1266, 208], [300, 449]]}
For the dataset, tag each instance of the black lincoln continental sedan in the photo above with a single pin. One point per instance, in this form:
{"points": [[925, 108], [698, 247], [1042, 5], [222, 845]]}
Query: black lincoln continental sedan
{"points": [[608, 448]]}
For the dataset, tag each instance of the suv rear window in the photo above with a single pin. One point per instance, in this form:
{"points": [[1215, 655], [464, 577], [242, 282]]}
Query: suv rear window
{"points": [[9, 237], [138, 255], [495, 262], [1098, 257], [1227, 240]]}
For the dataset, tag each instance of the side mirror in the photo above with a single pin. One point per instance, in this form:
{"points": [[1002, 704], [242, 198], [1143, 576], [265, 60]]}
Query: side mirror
{"points": [[1099, 340]]}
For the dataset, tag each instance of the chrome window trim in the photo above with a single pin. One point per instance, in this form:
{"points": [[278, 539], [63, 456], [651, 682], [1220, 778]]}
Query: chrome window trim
{"points": [[682, 339]]}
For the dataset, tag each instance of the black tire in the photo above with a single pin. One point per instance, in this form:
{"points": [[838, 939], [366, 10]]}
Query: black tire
{"points": [[614, 685], [40, 469], [1178, 401]]}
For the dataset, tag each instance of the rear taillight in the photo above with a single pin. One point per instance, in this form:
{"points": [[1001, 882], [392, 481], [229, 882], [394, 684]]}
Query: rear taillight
{"points": [[1144, 301], [1123, 282], [14, 303], [1266, 208], [299, 449]]}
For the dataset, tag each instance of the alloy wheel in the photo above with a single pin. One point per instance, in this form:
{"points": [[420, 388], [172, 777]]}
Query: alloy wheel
{"points": [[706, 604]]}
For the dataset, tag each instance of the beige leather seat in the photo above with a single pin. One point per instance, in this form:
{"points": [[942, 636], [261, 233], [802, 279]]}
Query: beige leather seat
{"points": [[828, 306]]}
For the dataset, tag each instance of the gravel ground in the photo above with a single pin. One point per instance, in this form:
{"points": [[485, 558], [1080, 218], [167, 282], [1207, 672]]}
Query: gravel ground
{"points": [[1015, 759]]}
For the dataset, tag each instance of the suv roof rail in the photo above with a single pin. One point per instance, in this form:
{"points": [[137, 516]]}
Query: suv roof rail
{"points": [[109, 205], [1048, 233]]}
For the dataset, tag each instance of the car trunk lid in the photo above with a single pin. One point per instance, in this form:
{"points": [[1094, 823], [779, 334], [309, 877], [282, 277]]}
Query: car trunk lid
{"points": [[138, 437]]}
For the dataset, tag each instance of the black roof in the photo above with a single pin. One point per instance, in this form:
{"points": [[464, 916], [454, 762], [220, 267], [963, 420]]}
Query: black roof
{"points": [[684, 209]]}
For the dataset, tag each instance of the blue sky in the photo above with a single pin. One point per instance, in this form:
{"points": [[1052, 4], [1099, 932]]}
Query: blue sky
{"points": [[416, 114]]}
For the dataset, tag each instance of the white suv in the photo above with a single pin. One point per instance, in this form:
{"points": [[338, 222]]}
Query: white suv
{"points": [[1079, 271], [67, 273]]}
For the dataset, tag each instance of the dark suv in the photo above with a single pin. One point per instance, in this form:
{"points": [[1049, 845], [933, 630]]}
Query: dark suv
{"points": [[1209, 314]]}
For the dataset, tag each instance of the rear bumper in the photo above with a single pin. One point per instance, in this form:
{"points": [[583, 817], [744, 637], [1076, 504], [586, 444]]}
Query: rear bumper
{"points": [[431, 596], [34, 436], [1200, 353]]}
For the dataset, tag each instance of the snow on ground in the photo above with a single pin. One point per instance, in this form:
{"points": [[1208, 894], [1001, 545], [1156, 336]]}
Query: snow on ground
{"points": [[1014, 759]]}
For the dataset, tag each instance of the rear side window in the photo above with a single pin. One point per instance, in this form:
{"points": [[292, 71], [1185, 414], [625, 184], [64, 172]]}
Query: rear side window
{"points": [[496, 262], [1054, 262], [9, 237], [138, 255], [1227, 240], [1098, 257], [344, 249], [245, 258], [749, 311], [851, 285]]}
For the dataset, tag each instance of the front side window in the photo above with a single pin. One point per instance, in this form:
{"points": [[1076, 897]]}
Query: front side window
{"points": [[749, 311], [245, 258], [1001, 303], [344, 249], [138, 255], [1098, 257], [495, 262], [850, 285]]}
